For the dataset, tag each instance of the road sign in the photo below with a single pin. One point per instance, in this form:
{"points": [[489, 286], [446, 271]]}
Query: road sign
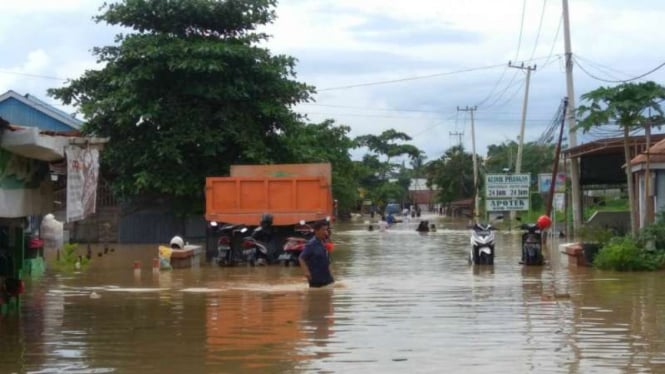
{"points": [[545, 181], [507, 192], [498, 205]]}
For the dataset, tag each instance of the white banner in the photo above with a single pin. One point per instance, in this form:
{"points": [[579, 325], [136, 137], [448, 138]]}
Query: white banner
{"points": [[82, 174]]}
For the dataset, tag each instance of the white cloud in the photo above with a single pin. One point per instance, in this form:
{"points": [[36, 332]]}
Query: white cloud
{"points": [[344, 42]]}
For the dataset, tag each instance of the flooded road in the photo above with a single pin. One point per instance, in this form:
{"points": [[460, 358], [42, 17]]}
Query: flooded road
{"points": [[404, 302]]}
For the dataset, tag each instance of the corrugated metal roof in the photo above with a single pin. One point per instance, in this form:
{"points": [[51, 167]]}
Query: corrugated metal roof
{"points": [[44, 108]]}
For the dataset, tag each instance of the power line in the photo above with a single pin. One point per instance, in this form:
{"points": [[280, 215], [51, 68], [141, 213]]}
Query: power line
{"points": [[503, 73], [419, 77], [556, 37], [406, 110], [491, 119], [433, 126], [540, 26], [9, 72], [375, 109], [616, 81], [519, 39], [603, 68], [409, 78]]}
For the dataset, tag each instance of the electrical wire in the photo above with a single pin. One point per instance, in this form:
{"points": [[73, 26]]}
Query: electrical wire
{"points": [[376, 83], [540, 26], [591, 75], [9, 72], [556, 37], [603, 68], [503, 73], [519, 39]]}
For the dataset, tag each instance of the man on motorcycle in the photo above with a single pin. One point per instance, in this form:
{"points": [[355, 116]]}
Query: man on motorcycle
{"points": [[315, 260]]}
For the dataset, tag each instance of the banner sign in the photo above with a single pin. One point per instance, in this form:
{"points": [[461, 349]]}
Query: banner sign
{"points": [[82, 175], [545, 181], [507, 192]]}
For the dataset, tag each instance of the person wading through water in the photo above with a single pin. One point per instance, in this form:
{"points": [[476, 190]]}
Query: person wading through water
{"points": [[315, 260]]}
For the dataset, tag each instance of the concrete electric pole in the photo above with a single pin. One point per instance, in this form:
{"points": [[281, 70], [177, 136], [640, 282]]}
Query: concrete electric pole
{"points": [[476, 200], [458, 135], [520, 144], [572, 124]]}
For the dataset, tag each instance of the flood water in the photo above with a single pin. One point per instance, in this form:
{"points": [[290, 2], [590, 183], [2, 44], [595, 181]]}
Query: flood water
{"points": [[404, 302]]}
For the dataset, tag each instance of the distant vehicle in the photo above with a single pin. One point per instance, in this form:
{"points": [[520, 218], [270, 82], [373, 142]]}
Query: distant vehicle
{"points": [[392, 208]]}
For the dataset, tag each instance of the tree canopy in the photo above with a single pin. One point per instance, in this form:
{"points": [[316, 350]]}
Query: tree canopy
{"points": [[624, 105], [536, 158], [453, 174], [186, 94]]}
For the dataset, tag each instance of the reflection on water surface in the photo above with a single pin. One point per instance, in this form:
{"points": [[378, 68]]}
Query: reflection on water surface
{"points": [[405, 302]]}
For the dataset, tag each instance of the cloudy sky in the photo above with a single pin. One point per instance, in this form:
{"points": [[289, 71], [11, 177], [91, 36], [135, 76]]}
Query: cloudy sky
{"points": [[458, 51]]}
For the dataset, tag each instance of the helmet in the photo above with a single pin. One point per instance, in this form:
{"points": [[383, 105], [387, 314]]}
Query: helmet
{"points": [[266, 219], [177, 242]]}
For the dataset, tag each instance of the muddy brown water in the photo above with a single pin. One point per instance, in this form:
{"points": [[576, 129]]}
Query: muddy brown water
{"points": [[405, 302]]}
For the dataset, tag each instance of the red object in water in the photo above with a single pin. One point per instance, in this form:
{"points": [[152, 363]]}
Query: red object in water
{"points": [[544, 222], [329, 246]]}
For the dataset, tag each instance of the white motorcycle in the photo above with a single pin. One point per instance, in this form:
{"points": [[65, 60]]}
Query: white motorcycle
{"points": [[482, 244]]}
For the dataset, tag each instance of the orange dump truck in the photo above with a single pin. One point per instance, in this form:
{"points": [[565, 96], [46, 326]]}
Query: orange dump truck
{"points": [[289, 193]]}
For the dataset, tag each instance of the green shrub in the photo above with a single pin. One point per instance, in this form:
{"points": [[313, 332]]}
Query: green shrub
{"points": [[655, 232], [595, 234], [626, 254], [68, 257]]}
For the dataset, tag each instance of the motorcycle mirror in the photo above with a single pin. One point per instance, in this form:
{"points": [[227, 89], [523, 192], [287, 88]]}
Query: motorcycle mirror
{"points": [[243, 230], [302, 222], [213, 223]]}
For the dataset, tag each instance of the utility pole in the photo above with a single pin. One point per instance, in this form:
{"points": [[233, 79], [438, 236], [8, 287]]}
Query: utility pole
{"points": [[572, 124], [476, 201], [458, 135], [520, 144]]}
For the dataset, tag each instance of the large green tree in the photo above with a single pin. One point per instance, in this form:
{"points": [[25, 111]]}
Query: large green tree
{"points": [[389, 144], [377, 168], [328, 142], [186, 93], [625, 105], [453, 174], [536, 158]]}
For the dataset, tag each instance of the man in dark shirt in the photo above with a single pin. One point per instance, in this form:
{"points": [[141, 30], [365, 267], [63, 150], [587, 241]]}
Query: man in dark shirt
{"points": [[314, 259]]}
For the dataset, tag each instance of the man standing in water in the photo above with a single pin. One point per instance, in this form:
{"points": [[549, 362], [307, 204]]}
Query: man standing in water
{"points": [[314, 259]]}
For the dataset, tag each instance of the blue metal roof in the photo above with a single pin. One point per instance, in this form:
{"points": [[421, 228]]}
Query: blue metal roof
{"points": [[29, 111]]}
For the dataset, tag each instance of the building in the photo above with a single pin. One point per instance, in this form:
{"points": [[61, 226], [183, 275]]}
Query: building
{"points": [[650, 201], [423, 196], [34, 141]]}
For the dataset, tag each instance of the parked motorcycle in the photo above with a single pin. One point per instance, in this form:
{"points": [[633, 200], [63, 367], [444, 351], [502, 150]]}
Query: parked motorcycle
{"points": [[295, 244], [482, 244], [228, 252], [262, 247], [532, 253]]}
